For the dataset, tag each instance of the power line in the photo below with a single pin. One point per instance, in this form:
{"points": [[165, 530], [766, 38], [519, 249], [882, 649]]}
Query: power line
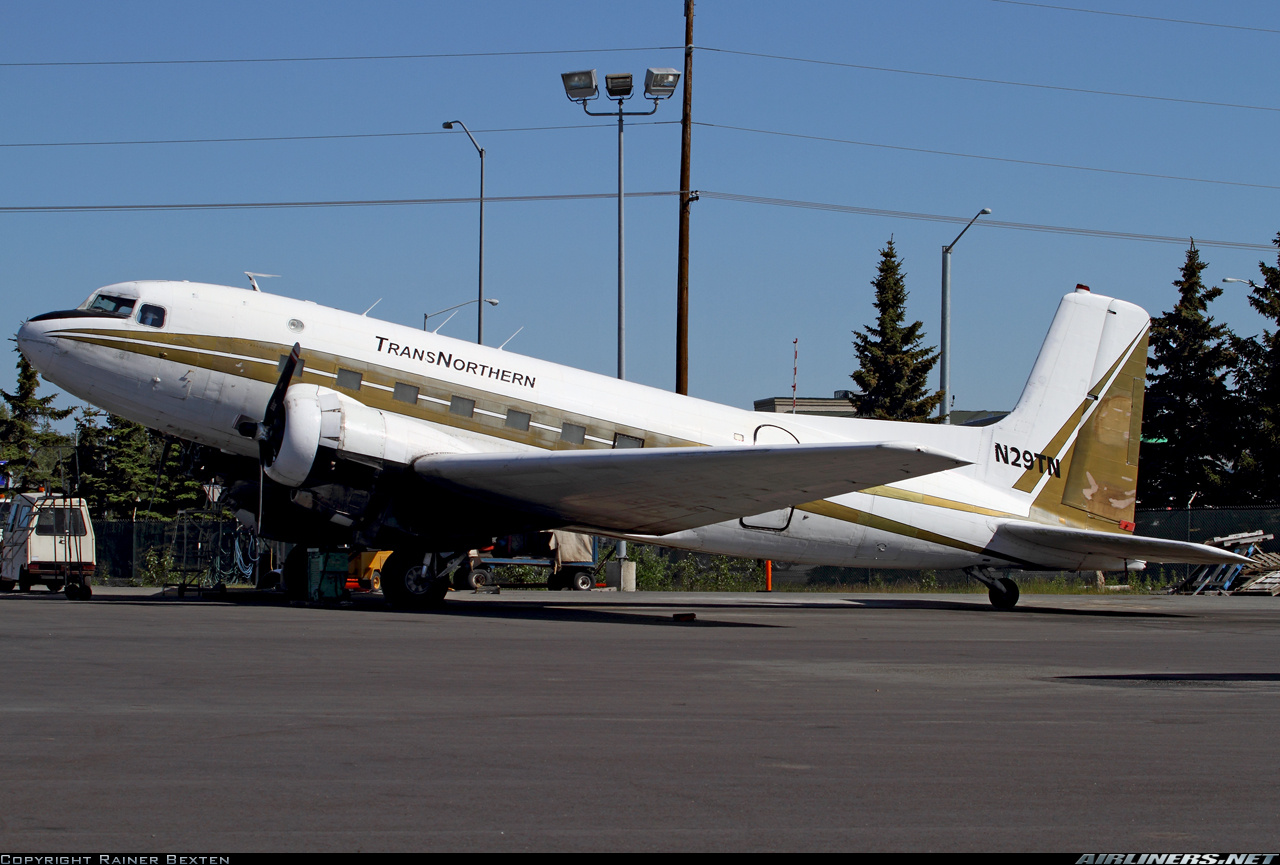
{"points": [[989, 158], [1006, 83], [1142, 17], [612, 196], [282, 205], [259, 138], [606, 126], [336, 58], [992, 223]]}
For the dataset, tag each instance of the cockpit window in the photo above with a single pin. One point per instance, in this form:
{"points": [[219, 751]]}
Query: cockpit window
{"points": [[113, 305], [151, 315]]}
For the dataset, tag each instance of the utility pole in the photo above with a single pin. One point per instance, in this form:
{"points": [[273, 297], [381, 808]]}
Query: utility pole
{"points": [[682, 262]]}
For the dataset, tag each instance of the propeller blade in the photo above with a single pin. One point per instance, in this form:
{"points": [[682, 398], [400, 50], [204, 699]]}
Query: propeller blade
{"points": [[271, 431]]}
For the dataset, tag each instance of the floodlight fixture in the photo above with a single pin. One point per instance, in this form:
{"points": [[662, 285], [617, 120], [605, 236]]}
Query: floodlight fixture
{"points": [[618, 86], [660, 83], [580, 86]]}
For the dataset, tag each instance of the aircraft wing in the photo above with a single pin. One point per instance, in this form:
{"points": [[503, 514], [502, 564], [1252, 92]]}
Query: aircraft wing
{"points": [[662, 490], [1086, 542]]}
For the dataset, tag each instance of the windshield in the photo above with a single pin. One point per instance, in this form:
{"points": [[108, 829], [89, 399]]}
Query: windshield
{"points": [[112, 305]]}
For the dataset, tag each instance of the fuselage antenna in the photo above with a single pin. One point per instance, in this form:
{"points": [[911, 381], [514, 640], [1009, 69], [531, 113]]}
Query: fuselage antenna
{"points": [[254, 282], [371, 306], [513, 336], [446, 321]]}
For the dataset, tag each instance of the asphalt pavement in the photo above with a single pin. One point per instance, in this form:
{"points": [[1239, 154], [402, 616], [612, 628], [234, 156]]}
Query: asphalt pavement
{"points": [[136, 723]]}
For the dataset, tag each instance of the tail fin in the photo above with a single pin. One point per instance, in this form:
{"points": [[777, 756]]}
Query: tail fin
{"points": [[1071, 443]]}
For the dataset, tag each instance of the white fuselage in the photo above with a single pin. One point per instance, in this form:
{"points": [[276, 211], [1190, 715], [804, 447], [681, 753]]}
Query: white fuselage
{"points": [[214, 361]]}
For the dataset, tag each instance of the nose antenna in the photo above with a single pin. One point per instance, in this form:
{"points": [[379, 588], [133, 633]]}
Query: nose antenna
{"points": [[253, 282]]}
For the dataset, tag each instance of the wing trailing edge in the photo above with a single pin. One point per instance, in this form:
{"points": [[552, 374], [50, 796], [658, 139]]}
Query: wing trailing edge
{"points": [[662, 490]]}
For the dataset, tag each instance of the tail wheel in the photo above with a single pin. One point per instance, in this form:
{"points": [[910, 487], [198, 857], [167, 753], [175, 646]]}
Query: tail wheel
{"points": [[410, 580], [1004, 600]]}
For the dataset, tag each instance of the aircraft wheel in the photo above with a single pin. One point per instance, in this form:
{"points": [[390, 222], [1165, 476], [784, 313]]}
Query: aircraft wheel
{"points": [[293, 575], [410, 580], [583, 581], [1007, 599]]}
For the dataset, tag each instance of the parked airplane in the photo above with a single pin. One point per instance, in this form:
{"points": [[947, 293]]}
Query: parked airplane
{"points": [[383, 436]]}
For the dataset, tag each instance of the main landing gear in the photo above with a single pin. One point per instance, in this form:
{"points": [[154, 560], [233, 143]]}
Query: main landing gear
{"points": [[1001, 591], [414, 580]]}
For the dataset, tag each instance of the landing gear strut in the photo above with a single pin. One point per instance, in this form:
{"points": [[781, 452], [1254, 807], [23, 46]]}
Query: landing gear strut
{"points": [[1001, 591]]}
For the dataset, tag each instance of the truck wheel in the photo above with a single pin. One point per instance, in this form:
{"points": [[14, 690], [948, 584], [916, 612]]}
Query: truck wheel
{"points": [[375, 581], [7, 585], [24, 581], [583, 581], [54, 587], [480, 577]]}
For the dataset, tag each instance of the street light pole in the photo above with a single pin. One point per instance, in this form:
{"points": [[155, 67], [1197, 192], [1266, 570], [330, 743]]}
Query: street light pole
{"points": [[581, 87], [480, 296], [944, 348]]}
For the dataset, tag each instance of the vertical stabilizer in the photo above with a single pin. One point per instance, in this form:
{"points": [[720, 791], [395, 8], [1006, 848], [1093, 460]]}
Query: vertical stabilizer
{"points": [[1071, 443]]}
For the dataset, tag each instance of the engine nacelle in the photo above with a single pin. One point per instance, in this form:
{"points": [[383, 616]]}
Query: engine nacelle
{"points": [[318, 417]]}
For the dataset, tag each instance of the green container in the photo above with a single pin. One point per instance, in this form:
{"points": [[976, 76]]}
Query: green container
{"points": [[326, 575]]}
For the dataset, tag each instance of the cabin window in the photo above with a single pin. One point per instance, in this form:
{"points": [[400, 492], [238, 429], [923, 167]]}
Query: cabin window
{"points": [[405, 393], [460, 405], [60, 521], [573, 434], [518, 419], [151, 315], [121, 307], [349, 378], [626, 441]]}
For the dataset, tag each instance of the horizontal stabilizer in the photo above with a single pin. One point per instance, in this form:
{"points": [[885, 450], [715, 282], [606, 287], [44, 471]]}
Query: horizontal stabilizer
{"points": [[1095, 545], [662, 490]]}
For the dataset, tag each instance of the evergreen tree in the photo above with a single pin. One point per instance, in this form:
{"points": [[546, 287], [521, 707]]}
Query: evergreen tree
{"points": [[893, 366], [32, 448], [1258, 392], [126, 468], [1189, 430]]}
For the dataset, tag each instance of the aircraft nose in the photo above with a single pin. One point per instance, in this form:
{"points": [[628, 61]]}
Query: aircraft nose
{"points": [[35, 344]]}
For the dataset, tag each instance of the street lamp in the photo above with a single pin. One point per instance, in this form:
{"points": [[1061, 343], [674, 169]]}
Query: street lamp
{"points": [[489, 300], [582, 87], [944, 350], [480, 296], [1248, 282]]}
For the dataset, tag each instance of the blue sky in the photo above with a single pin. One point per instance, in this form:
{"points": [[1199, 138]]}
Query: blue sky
{"points": [[761, 275]]}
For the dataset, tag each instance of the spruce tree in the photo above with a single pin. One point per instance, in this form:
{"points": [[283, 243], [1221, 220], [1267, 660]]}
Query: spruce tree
{"points": [[28, 442], [1189, 432], [1258, 392], [893, 365]]}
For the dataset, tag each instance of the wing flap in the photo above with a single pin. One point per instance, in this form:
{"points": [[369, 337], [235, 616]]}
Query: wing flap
{"points": [[1085, 542], [662, 490]]}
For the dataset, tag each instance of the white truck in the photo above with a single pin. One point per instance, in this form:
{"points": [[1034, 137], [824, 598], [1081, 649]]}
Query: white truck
{"points": [[48, 540]]}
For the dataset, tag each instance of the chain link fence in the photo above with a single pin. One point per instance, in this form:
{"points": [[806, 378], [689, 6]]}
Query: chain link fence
{"points": [[192, 550]]}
